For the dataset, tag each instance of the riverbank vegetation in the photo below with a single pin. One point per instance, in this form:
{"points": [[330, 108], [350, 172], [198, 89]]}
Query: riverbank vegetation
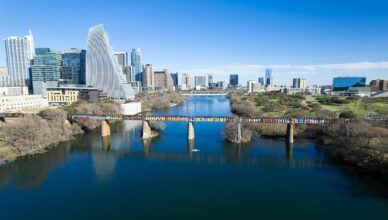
{"points": [[361, 142], [156, 101], [38, 133]]}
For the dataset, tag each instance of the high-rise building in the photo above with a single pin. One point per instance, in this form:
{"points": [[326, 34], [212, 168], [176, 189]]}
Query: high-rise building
{"points": [[233, 79], [200, 81], [148, 77], [261, 80], [254, 86], [343, 83], [163, 80], [174, 77], [186, 82], [122, 58], [299, 83], [45, 70], [19, 53], [73, 66], [210, 78], [128, 72], [136, 63], [268, 77], [102, 69], [221, 85]]}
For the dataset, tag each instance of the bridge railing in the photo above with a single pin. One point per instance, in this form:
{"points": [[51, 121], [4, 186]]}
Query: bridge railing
{"points": [[265, 120]]}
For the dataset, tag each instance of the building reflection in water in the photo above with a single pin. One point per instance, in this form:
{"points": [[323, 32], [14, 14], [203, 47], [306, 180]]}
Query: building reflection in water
{"points": [[105, 143], [289, 149], [190, 148]]}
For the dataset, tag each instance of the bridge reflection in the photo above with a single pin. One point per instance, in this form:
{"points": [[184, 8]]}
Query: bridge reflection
{"points": [[237, 157]]}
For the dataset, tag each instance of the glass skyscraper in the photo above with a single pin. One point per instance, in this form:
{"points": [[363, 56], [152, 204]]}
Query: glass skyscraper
{"points": [[73, 66], [343, 83], [45, 70], [19, 53], [102, 69], [233, 79], [136, 63], [268, 77]]}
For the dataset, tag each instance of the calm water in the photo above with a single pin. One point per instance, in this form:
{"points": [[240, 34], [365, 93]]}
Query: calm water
{"points": [[164, 179]]}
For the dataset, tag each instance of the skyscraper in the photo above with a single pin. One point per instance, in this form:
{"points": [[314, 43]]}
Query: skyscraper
{"points": [[268, 77], [19, 53], [163, 80], [186, 82], [136, 63], [122, 58], [299, 83], [45, 70], [174, 77], [73, 66], [200, 81], [261, 80], [148, 77], [233, 79], [102, 69]]}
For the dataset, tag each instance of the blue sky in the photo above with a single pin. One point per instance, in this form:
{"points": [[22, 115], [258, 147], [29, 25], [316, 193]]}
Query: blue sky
{"points": [[312, 39]]}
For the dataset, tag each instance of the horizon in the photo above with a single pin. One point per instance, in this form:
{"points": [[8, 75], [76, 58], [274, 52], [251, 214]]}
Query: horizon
{"points": [[221, 37]]}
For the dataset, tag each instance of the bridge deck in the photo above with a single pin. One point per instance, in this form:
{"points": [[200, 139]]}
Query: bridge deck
{"points": [[222, 119]]}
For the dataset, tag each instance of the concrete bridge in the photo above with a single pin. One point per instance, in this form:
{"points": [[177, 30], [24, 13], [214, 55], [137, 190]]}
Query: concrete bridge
{"points": [[206, 93], [147, 132]]}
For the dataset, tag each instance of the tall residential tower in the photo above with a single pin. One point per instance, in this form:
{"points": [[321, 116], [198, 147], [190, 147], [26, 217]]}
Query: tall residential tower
{"points": [[19, 53]]}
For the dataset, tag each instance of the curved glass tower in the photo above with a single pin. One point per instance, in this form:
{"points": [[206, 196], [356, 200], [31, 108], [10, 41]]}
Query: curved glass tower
{"points": [[102, 69]]}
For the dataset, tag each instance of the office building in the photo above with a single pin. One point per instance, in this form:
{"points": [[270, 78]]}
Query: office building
{"points": [[73, 66], [343, 83], [19, 52], [62, 97], [299, 83], [45, 70], [122, 58], [174, 77], [66, 94], [312, 91], [233, 80], [222, 85], [186, 82], [163, 80], [200, 81], [102, 69], [261, 80], [148, 77], [3, 76], [128, 72], [22, 103], [268, 77], [136, 63]]}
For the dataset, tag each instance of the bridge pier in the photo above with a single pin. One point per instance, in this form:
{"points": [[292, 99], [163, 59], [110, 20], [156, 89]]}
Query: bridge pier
{"points": [[190, 131], [290, 133], [239, 133], [105, 129], [147, 132]]}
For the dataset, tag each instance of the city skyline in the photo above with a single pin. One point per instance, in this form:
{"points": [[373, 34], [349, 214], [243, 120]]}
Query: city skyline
{"points": [[357, 50]]}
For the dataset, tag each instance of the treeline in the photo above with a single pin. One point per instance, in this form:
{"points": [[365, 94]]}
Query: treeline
{"points": [[37, 133], [156, 101]]}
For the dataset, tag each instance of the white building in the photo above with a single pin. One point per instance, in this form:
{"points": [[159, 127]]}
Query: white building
{"points": [[186, 82], [312, 91], [13, 91], [131, 108], [19, 53], [200, 81], [102, 69], [22, 102], [254, 87]]}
